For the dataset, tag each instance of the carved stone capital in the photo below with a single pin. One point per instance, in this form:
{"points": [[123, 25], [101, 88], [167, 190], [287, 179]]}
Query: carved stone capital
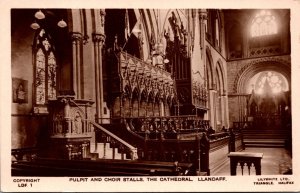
{"points": [[76, 36], [65, 98], [102, 12], [98, 38], [202, 15]]}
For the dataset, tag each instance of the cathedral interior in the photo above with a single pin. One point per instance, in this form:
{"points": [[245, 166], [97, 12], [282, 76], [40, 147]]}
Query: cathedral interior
{"points": [[137, 92]]}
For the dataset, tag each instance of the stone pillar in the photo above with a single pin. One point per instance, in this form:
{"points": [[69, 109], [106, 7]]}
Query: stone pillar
{"points": [[84, 150], [212, 108], [202, 18], [225, 116], [227, 112], [98, 40], [202, 21], [67, 126], [76, 48]]}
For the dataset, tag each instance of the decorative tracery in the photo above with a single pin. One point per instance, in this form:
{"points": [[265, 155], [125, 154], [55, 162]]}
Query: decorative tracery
{"points": [[271, 79], [263, 24]]}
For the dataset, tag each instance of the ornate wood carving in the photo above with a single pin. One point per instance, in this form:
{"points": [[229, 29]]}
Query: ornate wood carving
{"points": [[138, 80]]}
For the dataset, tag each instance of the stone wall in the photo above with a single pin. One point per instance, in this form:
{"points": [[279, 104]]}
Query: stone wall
{"points": [[236, 96], [22, 70]]}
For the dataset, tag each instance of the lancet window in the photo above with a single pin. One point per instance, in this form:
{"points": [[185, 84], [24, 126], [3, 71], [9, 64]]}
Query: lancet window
{"points": [[45, 69]]}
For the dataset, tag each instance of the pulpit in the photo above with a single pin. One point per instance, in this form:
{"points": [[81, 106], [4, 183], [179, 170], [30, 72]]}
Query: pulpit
{"points": [[70, 129]]}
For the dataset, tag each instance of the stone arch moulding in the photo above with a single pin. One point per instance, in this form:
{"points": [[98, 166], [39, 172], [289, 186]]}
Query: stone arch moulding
{"points": [[210, 69], [254, 67], [221, 76]]}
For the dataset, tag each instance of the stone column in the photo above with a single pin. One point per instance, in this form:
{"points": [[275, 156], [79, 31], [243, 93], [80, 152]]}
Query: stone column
{"points": [[162, 108], [225, 116], [67, 127], [98, 40], [212, 108], [227, 112], [202, 18], [76, 48]]}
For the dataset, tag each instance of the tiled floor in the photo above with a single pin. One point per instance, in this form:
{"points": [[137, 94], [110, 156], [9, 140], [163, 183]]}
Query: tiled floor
{"points": [[275, 161]]}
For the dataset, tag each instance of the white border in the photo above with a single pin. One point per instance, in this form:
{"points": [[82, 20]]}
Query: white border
{"points": [[244, 183]]}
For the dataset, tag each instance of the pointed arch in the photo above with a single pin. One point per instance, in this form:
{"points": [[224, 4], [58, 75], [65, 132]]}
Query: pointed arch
{"points": [[127, 92], [135, 102], [221, 77], [254, 67], [143, 103], [45, 68], [210, 72]]}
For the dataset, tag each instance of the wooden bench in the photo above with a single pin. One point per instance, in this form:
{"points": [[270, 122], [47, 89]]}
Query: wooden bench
{"points": [[56, 167], [27, 153], [243, 158]]}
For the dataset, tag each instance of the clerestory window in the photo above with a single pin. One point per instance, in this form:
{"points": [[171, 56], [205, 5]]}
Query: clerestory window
{"points": [[263, 24]]}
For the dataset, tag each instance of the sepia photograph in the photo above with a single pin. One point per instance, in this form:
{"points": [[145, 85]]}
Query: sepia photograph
{"points": [[151, 96]]}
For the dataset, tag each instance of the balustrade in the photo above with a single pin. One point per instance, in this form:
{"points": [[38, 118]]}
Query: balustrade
{"points": [[115, 143], [170, 126], [218, 136]]}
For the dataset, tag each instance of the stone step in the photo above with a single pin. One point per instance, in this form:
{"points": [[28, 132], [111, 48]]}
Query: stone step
{"points": [[258, 133], [260, 145], [104, 151], [264, 143], [264, 137], [266, 131]]}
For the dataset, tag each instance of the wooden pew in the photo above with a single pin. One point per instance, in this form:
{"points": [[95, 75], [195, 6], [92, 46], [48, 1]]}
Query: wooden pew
{"points": [[56, 167], [27, 153]]}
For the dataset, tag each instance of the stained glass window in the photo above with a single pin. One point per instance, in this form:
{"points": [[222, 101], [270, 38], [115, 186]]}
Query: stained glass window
{"points": [[51, 76], [263, 24], [40, 77], [45, 69], [272, 80]]}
